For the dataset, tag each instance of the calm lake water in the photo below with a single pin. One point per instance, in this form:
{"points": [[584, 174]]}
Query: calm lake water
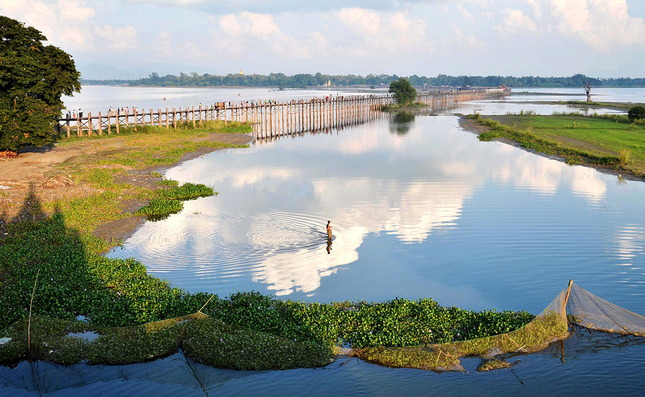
{"points": [[95, 98], [419, 208]]}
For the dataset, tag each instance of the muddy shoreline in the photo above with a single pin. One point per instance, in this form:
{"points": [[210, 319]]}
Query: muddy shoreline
{"points": [[40, 173]]}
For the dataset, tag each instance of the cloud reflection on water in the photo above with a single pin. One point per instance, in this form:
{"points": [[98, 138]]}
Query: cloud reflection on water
{"points": [[267, 224]]}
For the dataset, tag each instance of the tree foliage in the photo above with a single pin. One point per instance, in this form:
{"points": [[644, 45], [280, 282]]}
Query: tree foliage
{"points": [[33, 77], [404, 93], [371, 80], [636, 113]]}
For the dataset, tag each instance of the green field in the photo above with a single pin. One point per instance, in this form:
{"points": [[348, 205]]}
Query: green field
{"points": [[605, 141]]}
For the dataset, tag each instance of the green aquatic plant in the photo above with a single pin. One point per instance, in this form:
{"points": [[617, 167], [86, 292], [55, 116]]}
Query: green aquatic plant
{"points": [[532, 337], [170, 200], [187, 191], [168, 182], [160, 208]]}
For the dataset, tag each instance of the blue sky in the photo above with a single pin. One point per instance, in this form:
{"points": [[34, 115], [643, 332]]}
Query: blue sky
{"points": [[132, 38]]}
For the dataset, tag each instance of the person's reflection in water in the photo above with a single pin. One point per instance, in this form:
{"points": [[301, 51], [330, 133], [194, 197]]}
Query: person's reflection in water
{"points": [[329, 237]]}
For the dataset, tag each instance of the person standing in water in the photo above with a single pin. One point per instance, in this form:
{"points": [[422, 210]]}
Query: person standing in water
{"points": [[329, 229]]}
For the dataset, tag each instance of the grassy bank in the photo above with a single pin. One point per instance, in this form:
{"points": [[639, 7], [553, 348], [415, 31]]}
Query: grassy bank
{"points": [[123, 173], [52, 270], [600, 105], [609, 142], [395, 107]]}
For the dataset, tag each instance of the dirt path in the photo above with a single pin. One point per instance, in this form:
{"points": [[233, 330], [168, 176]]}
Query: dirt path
{"points": [[38, 172]]}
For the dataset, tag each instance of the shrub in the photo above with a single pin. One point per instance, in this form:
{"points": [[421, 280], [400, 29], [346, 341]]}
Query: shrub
{"points": [[404, 93], [636, 113]]}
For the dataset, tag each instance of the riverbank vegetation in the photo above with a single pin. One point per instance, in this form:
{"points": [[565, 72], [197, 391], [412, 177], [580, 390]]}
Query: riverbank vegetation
{"points": [[64, 301], [33, 78], [371, 80], [57, 288], [117, 175], [605, 141]]}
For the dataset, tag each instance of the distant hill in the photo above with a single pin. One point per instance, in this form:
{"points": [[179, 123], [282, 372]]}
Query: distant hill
{"points": [[320, 80]]}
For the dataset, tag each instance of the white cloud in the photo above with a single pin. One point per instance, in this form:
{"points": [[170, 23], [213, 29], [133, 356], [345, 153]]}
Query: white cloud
{"points": [[515, 22], [537, 8], [164, 43], [118, 39], [230, 26], [260, 34], [601, 24], [75, 10], [465, 42], [262, 26], [467, 15], [363, 22], [70, 24]]}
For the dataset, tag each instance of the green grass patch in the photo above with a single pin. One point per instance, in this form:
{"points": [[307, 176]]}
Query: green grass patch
{"points": [[160, 208], [167, 182], [607, 141], [170, 200], [395, 107], [187, 191]]}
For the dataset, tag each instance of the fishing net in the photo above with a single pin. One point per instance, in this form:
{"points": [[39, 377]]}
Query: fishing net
{"points": [[590, 311]]}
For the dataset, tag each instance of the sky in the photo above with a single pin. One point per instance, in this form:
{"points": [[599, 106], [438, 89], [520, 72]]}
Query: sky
{"points": [[133, 38]]}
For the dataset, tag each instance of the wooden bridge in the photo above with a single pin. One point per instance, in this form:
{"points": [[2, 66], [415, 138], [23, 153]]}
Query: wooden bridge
{"points": [[269, 118]]}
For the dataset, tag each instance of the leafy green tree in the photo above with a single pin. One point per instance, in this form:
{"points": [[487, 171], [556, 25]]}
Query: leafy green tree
{"points": [[33, 77], [636, 113], [404, 93]]}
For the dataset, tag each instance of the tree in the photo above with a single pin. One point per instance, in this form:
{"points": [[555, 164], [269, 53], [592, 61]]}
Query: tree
{"points": [[636, 113], [587, 87], [33, 77], [404, 93]]}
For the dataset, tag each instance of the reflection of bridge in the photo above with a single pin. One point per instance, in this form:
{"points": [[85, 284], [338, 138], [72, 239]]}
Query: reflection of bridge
{"points": [[269, 118]]}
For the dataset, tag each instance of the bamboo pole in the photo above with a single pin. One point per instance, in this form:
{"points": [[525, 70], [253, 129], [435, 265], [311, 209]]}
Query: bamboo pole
{"points": [[566, 299]]}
